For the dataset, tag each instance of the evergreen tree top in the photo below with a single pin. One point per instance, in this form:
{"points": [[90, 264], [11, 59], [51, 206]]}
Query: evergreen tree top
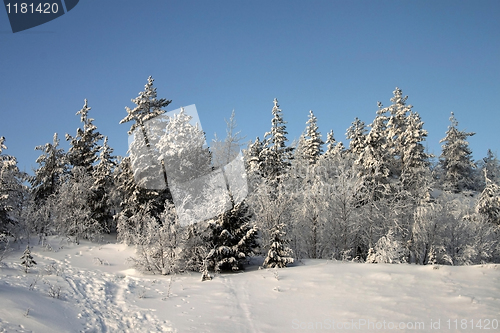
{"points": [[398, 97], [2, 146], [147, 106]]}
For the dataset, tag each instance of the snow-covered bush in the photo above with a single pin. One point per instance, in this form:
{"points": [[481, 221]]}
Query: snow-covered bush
{"points": [[72, 215], [488, 203], [157, 243], [388, 249]]}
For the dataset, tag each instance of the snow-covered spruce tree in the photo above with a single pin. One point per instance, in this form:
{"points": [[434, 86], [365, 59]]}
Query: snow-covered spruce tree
{"points": [[279, 254], [491, 165], [309, 205], [231, 236], [415, 173], [127, 195], [356, 133], [275, 154], [83, 154], [397, 122], [84, 147], [332, 146], [12, 193], [27, 260], [374, 165], [253, 164], [142, 164], [456, 159], [232, 239], [375, 160], [103, 187], [52, 166], [312, 147], [408, 178], [488, 203], [252, 156]]}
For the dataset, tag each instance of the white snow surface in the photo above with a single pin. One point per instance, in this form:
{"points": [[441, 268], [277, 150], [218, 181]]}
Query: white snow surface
{"points": [[100, 293]]}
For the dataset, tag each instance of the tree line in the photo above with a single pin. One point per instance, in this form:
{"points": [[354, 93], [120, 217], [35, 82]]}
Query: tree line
{"points": [[381, 199]]}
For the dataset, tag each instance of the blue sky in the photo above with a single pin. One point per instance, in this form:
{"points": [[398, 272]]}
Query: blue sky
{"points": [[337, 58]]}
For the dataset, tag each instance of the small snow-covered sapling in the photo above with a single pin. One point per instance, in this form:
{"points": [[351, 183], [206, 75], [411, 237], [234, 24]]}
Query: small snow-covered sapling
{"points": [[27, 259]]}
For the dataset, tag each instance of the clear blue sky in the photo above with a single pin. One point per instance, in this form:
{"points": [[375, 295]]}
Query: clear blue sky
{"points": [[337, 58]]}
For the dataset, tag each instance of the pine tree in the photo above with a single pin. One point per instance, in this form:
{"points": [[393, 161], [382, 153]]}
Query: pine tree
{"points": [[415, 173], [253, 157], [103, 186], [84, 147], [128, 197], [397, 123], [232, 239], [312, 146], [275, 155], [45, 185], [332, 146], [27, 259], [491, 165], [356, 133], [456, 159], [148, 107], [279, 254], [52, 166], [145, 130], [142, 180], [375, 160]]}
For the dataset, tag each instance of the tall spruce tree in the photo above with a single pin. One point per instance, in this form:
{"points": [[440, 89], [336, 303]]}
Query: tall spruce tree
{"points": [[142, 168], [275, 155], [312, 140], [397, 123], [356, 133], [103, 187], [456, 159], [84, 147], [45, 184], [415, 173]]}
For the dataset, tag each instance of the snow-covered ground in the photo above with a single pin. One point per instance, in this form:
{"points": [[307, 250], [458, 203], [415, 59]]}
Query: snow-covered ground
{"points": [[90, 288]]}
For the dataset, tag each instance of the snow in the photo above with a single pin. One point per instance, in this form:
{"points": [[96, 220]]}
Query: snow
{"points": [[100, 293]]}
